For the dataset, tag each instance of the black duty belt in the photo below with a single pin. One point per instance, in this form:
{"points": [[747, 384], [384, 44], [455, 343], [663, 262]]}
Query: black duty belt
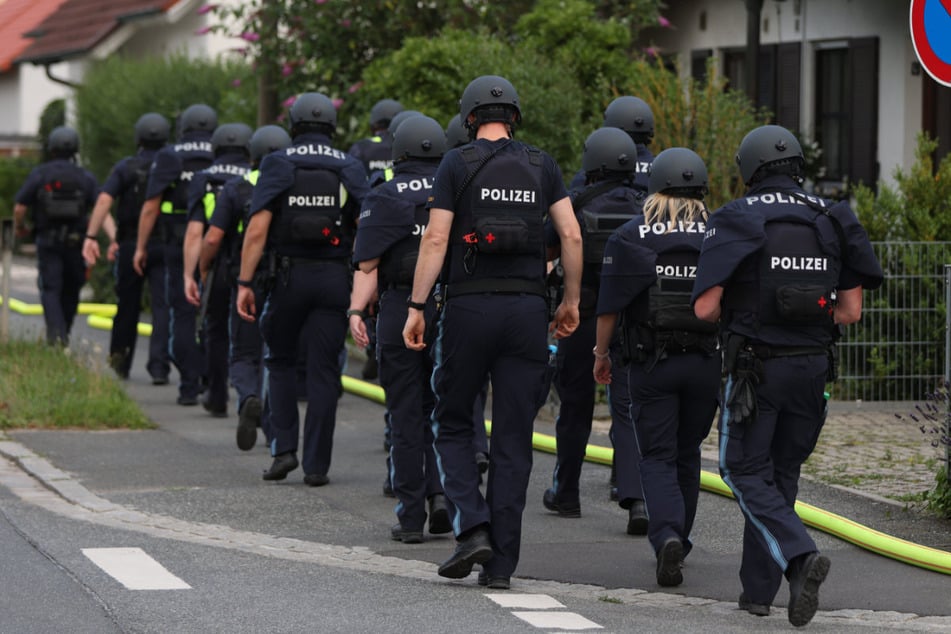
{"points": [[497, 286], [763, 351]]}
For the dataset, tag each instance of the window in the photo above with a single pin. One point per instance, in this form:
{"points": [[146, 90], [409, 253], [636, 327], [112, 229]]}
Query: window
{"points": [[832, 117]]}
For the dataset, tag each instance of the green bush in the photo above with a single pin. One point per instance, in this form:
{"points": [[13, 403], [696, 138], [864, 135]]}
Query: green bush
{"points": [[53, 115], [430, 75], [704, 117], [13, 171], [117, 91]]}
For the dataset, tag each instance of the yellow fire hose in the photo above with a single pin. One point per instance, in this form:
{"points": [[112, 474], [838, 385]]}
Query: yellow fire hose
{"points": [[100, 317]]}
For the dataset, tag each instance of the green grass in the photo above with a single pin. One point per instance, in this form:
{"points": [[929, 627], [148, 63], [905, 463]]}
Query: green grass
{"points": [[46, 387]]}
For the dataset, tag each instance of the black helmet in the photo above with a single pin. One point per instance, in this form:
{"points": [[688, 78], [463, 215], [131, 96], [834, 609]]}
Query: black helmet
{"points": [[63, 141], [677, 171], [632, 115], [609, 149], [231, 135], [152, 129], [402, 116], [495, 99], [267, 139], [313, 107], [419, 137], [383, 111], [456, 133], [768, 145], [198, 117]]}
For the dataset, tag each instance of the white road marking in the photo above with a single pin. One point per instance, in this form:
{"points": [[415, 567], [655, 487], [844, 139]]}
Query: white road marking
{"points": [[134, 569], [557, 620], [526, 601]]}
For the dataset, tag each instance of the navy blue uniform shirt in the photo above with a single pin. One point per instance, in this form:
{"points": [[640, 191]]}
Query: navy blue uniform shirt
{"points": [[168, 164], [223, 169]]}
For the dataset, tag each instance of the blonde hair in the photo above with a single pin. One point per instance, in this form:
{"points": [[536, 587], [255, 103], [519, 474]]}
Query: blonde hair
{"points": [[661, 207]]}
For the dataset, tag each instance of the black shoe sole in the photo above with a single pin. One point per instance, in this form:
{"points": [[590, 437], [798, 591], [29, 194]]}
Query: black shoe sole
{"points": [[460, 567], [272, 475], [249, 418], [669, 564], [804, 606]]}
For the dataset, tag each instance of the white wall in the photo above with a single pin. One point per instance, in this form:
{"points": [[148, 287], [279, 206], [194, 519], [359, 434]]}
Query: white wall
{"points": [[810, 22]]}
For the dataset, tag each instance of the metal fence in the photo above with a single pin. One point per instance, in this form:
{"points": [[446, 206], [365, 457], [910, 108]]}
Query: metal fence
{"points": [[897, 351]]}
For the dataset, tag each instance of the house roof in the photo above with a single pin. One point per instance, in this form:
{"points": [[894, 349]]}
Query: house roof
{"points": [[79, 25], [16, 18]]}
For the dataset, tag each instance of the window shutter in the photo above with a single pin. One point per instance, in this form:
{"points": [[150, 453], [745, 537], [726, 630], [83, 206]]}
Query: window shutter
{"points": [[789, 85], [863, 91]]}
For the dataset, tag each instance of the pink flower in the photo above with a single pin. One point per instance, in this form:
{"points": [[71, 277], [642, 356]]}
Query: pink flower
{"points": [[287, 103], [240, 50], [664, 22], [250, 37], [203, 30], [337, 101], [354, 88], [236, 82], [206, 9], [286, 70], [345, 23], [320, 1], [652, 51]]}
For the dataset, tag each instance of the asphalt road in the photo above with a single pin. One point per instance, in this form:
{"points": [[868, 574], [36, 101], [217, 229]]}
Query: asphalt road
{"points": [[284, 557]]}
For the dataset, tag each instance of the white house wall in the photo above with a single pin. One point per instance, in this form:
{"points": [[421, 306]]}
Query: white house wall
{"points": [[813, 22]]}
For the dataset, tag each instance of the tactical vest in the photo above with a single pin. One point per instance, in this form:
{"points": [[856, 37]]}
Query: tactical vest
{"points": [[130, 203], [245, 189], [61, 197], [214, 181], [796, 278], [663, 322], [311, 222], [196, 156], [498, 233], [398, 263]]}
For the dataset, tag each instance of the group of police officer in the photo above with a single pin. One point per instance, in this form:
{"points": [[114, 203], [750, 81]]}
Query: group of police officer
{"points": [[477, 263]]}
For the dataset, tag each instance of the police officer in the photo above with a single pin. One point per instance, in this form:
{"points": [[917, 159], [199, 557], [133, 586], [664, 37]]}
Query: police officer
{"points": [[485, 234], [607, 201], [222, 242], [60, 195], [306, 204], [165, 212], [229, 142], [781, 270], [634, 116], [126, 184], [375, 151], [393, 218], [671, 357]]}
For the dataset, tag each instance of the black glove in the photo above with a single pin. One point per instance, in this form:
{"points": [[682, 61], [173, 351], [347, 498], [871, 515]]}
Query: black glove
{"points": [[742, 399]]}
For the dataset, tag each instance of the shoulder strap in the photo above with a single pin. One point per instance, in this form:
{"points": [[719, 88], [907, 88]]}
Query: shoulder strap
{"points": [[471, 155], [592, 192], [827, 212]]}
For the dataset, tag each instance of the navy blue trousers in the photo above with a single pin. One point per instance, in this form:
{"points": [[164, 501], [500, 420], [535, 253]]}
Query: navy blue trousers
{"points": [[125, 324], [575, 385], [672, 408], [503, 337], [217, 339], [62, 273], [405, 376], [309, 297], [627, 459], [760, 461], [185, 351]]}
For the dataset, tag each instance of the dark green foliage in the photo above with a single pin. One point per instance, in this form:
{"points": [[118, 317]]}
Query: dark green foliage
{"points": [[117, 91], [53, 115], [13, 171], [430, 75]]}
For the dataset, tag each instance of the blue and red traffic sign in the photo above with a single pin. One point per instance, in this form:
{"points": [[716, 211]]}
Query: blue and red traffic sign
{"points": [[931, 37]]}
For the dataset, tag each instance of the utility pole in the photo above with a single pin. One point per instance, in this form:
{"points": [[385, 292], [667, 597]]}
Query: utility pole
{"points": [[754, 9]]}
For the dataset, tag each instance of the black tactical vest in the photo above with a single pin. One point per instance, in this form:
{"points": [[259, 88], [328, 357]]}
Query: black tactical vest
{"points": [[311, 222], [61, 198]]}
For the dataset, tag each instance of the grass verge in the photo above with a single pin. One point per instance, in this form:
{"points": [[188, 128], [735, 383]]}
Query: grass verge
{"points": [[46, 387]]}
